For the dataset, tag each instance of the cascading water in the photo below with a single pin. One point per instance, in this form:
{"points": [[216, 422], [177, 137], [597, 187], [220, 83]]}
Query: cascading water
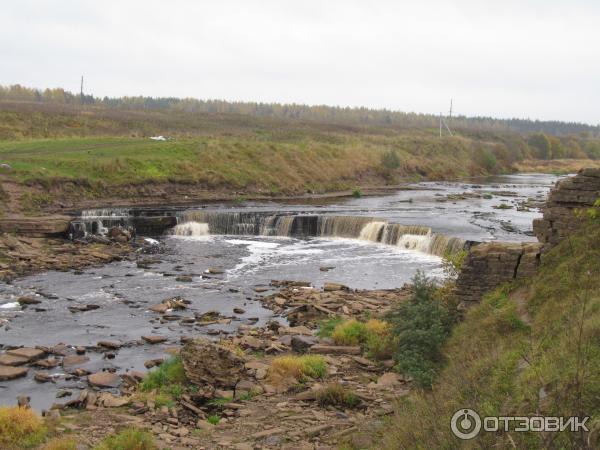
{"points": [[191, 229], [410, 237]]}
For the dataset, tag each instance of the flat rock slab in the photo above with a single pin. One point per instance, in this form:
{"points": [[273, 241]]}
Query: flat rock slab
{"points": [[10, 372], [74, 360], [104, 380], [31, 354], [154, 339], [335, 350], [11, 360]]}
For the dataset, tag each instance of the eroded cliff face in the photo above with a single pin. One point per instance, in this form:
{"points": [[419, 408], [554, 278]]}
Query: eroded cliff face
{"points": [[569, 196], [491, 264]]}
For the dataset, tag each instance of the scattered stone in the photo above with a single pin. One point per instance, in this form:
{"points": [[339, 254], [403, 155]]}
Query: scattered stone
{"points": [[42, 377], [301, 344], [328, 287], [154, 339], [74, 360], [61, 393], [80, 350], [212, 364], [239, 310], [83, 308], [113, 345], [149, 364], [109, 400], [161, 308], [104, 380], [388, 379], [28, 301], [184, 279], [215, 271]]}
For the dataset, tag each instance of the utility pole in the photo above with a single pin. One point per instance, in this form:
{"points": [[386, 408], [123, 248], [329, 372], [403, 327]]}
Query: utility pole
{"points": [[81, 91], [444, 123]]}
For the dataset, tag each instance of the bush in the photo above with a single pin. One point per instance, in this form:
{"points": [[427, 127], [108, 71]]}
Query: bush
{"points": [[298, 367], [128, 439], [390, 159], [326, 327], [357, 193], [334, 394], [20, 428], [351, 332], [421, 326], [169, 373]]}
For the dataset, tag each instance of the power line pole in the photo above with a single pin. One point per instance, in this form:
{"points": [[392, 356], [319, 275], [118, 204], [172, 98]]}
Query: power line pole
{"points": [[81, 91]]}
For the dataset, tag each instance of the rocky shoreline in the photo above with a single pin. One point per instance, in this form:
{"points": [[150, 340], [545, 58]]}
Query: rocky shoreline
{"points": [[232, 378]]}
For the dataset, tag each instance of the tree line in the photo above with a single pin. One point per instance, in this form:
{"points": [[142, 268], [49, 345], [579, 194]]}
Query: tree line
{"points": [[328, 114]]}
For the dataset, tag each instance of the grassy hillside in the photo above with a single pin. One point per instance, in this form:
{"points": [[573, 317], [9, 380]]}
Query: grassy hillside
{"points": [[67, 154], [530, 348], [250, 163]]}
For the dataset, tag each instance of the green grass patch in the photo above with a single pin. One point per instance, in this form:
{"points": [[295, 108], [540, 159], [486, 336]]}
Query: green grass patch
{"points": [[326, 327], [213, 419], [298, 367], [169, 373], [128, 439], [335, 394]]}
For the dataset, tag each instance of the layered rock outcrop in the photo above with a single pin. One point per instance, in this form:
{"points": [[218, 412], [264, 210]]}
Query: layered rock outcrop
{"points": [[491, 264], [560, 213]]}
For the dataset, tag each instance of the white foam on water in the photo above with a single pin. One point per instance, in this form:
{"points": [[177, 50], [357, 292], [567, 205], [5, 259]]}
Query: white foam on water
{"points": [[10, 305], [259, 251], [191, 229]]}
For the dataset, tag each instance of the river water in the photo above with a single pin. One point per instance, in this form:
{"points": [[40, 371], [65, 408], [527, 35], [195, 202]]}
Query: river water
{"points": [[123, 292]]}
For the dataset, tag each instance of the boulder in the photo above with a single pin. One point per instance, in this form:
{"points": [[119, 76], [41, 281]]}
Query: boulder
{"points": [[301, 343], [208, 363]]}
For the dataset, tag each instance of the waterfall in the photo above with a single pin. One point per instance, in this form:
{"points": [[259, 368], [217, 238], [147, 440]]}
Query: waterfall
{"points": [[371, 229], [191, 229]]}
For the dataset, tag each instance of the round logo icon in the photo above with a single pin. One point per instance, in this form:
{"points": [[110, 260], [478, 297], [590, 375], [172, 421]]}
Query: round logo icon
{"points": [[465, 424]]}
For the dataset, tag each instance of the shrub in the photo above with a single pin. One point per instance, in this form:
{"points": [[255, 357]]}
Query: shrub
{"points": [[213, 420], [326, 327], [357, 193], [298, 367], [421, 326], [128, 439], [20, 428], [168, 373], [334, 394], [351, 332], [61, 444], [390, 159]]}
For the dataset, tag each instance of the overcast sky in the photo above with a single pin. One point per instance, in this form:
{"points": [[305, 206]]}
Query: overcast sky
{"points": [[506, 58]]}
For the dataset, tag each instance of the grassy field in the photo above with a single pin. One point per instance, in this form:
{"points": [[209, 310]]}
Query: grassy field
{"points": [[257, 163], [530, 348], [63, 154]]}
